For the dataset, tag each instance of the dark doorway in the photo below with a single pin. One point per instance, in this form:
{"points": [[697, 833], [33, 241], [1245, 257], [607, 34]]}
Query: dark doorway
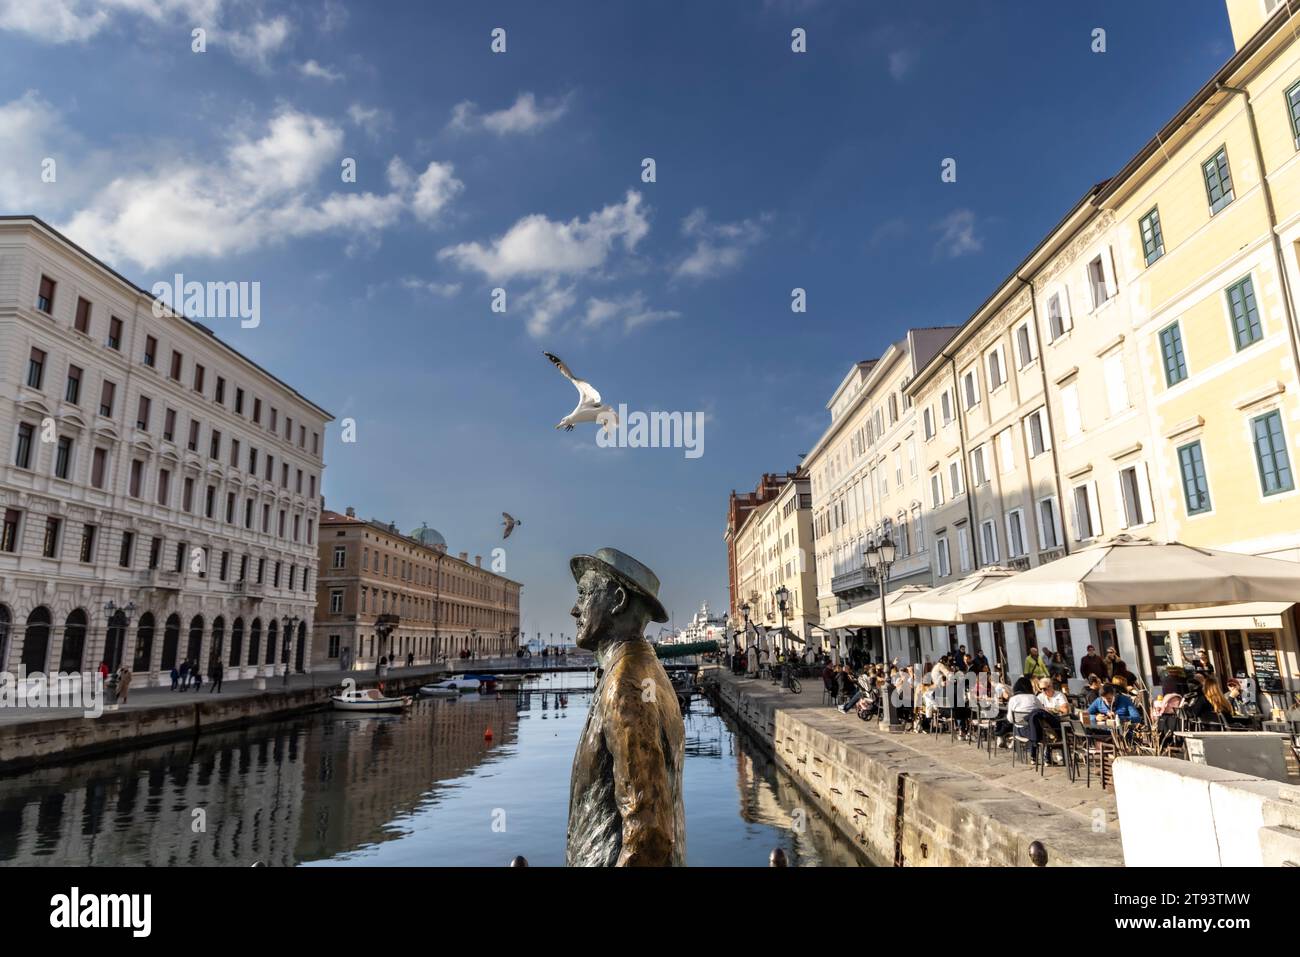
{"points": [[236, 642], [115, 642], [74, 642], [272, 633], [255, 641], [171, 642], [36, 640], [302, 645], [6, 624], [143, 643]]}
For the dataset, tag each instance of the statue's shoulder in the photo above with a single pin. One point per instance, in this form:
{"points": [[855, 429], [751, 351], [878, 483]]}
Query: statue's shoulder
{"points": [[630, 668]]}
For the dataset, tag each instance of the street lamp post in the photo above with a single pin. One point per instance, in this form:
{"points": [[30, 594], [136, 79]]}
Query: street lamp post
{"points": [[110, 609], [744, 611], [879, 558], [782, 596]]}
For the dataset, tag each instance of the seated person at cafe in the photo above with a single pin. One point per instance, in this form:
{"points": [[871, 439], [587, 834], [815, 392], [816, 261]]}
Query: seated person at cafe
{"points": [[1052, 699], [1241, 707], [1093, 691], [1205, 702], [1022, 706], [1113, 702]]}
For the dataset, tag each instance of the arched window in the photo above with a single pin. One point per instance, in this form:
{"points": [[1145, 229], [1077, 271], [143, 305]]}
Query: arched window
{"points": [[144, 643], [236, 642], [218, 638], [74, 642], [272, 632], [115, 641], [171, 642], [255, 641], [6, 623], [195, 647], [36, 640]]}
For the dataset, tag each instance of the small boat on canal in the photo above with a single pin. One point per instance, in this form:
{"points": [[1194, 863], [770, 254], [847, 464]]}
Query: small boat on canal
{"points": [[371, 699]]}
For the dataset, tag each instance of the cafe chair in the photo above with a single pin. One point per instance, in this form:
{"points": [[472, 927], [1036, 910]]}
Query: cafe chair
{"points": [[1020, 744]]}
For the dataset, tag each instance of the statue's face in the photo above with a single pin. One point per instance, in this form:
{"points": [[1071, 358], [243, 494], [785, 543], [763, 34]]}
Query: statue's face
{"points": [[594, 609]]}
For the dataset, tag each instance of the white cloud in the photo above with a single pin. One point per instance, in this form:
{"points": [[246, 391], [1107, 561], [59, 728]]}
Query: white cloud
{"points": [[257, 44], [957, 234], [545, 303], [719, 247], [316, 71], [372, 119], [265, 188], [523, 116], [631, 310], [537, 246], [75, 21], [901, 62]]}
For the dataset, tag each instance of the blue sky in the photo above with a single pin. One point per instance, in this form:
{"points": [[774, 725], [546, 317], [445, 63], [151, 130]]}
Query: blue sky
{"points": [[522, 170]]}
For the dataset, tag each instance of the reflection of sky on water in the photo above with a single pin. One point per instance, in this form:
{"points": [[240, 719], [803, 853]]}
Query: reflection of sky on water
{"points": [[420, 789]]}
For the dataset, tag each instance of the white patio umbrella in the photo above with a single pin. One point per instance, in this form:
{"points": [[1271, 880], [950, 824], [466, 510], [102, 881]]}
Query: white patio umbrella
{"points": [[867, 614], [939, 605], [1134, 576]]}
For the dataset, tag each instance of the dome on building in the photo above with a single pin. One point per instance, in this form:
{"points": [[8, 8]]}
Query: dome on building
{"points": [[429, 537]]}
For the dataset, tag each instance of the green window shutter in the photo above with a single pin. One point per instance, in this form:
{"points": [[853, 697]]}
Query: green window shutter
{"points": [[1171, 350], [1153, 241], [1218, 180], [1246, 328], [1271, 455], [1196, 488]]}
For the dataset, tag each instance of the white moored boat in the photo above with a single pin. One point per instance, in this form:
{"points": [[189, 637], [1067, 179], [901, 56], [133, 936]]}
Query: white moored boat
{"points": [[371, 699], [442, 689]]}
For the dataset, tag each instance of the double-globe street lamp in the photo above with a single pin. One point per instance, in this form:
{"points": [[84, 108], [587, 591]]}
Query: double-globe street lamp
{"points": [[879, 558], [744, 611], [110, 611], [289, 622], [782, 596]]}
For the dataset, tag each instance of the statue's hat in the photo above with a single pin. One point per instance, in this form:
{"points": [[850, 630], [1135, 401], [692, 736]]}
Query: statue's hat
{"points": [[629, 573]]}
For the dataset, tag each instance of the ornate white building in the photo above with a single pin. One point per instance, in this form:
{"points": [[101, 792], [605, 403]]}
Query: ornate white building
{"points": [[160, 492]]}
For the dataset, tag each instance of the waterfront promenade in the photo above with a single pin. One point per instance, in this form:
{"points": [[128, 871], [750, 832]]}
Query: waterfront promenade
{"points": [[924, 797]]}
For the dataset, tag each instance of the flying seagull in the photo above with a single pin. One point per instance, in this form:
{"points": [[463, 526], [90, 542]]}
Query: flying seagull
{"points": [[589, 407], [510, 523]]}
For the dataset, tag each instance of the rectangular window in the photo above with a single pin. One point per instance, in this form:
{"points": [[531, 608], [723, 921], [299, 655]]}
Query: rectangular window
{"points": [[209, 501], [193, 444], [997, 373], [177, 361], [1006, 451], [87, 553], [1246, 328], [1016, 546], [1058, 323], [181, 549], [945, 405], [142, 414], [98, 467], [187, 498], [230, 508], [1135, 495], [340, 555], [219, 394], [1097, 282], [150, 351], [972, 386], [1153, 241], [1070, 410], [1036, 434], [1049, 532], [82, 321], [115, 333], [107, 392], [239, 401], [333, 651], [1087, 522], [9, 531], [36, 368], [23, 451], [1196, 488], [164, 485], [954, 477], [50, 546], [169, 425], [336, 601], [214, 445], [257, 411], [936, 490], [1218, 180], [126, 553], [234, 452], [45, 295], [944, 559], [198, 378], [1171, 354], [225, 566], [989, 542], [978, 470], [1293, 111], [137, 476], [72, 391], [1271, 454], [1024, 344], [1116, 383], [928, 417], [155, 552], [63, 458]]}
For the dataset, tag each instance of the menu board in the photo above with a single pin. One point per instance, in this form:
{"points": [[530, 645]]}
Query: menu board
{"points": [[1263, 654], [1190, 641]]}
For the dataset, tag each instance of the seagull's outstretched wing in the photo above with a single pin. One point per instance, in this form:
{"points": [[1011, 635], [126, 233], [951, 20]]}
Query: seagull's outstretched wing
{"points": [[587, 395], [509, 523]]}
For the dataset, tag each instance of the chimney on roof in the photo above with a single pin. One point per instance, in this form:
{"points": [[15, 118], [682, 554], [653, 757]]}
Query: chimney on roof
{"points": [[350, 512], [464, 556], [478, 560]]}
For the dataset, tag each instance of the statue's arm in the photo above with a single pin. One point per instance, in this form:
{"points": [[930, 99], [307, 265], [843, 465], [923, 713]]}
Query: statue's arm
{"points": [[641, 786]]}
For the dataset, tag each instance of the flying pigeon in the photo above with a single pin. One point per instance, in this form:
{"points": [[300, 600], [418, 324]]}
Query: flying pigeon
{"points": [[510, 523], [589, 407]]}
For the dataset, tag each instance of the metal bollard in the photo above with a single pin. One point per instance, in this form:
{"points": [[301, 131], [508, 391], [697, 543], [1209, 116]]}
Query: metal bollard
{"points": [[1038, 854], [777, 858], [519, 861]]}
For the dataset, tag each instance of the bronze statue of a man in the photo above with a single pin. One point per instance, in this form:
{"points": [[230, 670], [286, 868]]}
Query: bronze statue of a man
{"points": [[625, 796]]}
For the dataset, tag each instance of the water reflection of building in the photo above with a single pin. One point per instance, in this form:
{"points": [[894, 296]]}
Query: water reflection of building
{"points": [[294, 792]]}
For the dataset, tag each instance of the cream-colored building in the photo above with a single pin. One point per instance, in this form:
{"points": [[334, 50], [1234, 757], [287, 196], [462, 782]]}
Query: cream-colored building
{"points": [[1138, 373], [751, 563], [786, 543], [866, 480], [160, 492]]}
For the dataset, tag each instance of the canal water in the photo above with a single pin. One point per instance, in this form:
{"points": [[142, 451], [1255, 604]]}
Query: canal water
{"points": [[424, 788]]}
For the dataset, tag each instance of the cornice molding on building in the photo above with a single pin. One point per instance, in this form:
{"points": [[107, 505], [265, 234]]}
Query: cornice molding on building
{"points": [[1126, 451], [1262, 394], [1184, 427]]}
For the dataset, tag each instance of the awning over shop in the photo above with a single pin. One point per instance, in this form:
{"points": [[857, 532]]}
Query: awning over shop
{"points": [[1250, 616]]}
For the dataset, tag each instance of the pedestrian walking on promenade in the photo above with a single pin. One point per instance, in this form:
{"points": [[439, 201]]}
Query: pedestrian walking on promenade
{"points": [[176, 677], [184, 675], [410, 658], [217, 672], [123, 683], [196, 676]]}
